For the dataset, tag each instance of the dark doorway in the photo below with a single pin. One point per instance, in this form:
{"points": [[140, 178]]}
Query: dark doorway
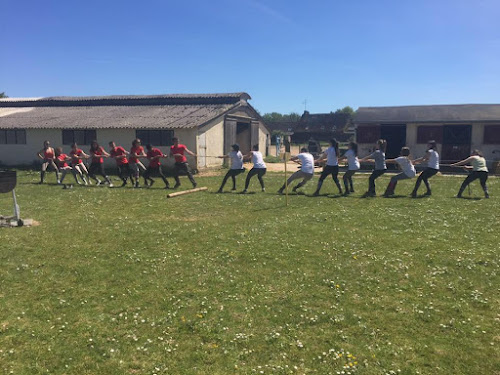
{"points": [[456, 142], [395, 135], [243, 137]]}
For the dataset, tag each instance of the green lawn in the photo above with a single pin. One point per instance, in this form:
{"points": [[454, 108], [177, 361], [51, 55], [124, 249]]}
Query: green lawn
{"points": [[125, 281]]}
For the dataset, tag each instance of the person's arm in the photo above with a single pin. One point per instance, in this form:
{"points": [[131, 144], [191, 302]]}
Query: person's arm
{"points": [[40, 154], [224, 157], [84, 155], [248, 156], [462, 162], [189, 152], [104, 153], [295, 159], [367, 158], [390, 161], [423, 158]]}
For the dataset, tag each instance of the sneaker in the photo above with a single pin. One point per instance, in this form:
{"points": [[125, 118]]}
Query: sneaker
{"points": [[194, 185], [352, 190], [58, 182], [413, 195], [280, 191], [219, 191], [346, 193], [234, 188], [428, 193], [98, 182], [316, 194], [486, 195], [176, 186], [111, 185], [263, 190], [124, 183], [151, 183], [244, 191], [167, 187]]}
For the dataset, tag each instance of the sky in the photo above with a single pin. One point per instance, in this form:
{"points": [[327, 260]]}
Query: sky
{"points": [[288, 55]]}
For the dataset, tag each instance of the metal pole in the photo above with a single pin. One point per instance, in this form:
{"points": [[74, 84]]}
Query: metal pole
{"points": [[286, 180], [17, 212]]}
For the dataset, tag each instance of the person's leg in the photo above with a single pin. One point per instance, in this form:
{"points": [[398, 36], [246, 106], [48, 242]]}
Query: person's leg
{"points": [[92, 172], [54, 166], [394, 181], [430, 172], [260, 174], [84, 173], [292, 178], [482, 179], [335, 174], [471, 177], [165, 181], [306, 177], [147, 177], [324, 174], [226, 177], [101, 171], [177, 169], [189, 174], [417, 184], [347, 181], [64, 171], [250, 174], [350, 181], [77, 172]]}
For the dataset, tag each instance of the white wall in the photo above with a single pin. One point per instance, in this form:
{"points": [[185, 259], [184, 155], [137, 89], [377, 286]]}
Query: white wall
{"points": [[16, 155], [214, 144]]}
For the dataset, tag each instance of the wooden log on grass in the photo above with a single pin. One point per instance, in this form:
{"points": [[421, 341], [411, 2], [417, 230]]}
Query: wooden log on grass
{"points": [[176, 194]]}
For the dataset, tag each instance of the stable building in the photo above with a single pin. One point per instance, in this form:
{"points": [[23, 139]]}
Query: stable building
{"points": [[208, 124], [457, 129]]}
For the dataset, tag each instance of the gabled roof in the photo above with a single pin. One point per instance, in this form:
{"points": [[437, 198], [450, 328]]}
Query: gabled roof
{"points": [[148, 111], [459, 113]]}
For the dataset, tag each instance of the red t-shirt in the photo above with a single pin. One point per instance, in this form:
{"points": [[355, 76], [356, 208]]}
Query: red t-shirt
{"points": [[135, 151], [151, 154], [48, 154], [61, 161], [119, 151], [179, 150], [97, 155], [74, 159]]}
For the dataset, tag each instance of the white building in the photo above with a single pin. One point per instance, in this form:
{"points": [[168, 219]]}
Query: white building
{"points": [[208, 124]]}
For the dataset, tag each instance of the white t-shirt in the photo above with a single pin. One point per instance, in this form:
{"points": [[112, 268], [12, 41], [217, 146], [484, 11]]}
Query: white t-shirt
{"points": [[406, 166], [236, 159], [257, 160], [307, 161], [352, 160], [433, 161], [331, 157]]}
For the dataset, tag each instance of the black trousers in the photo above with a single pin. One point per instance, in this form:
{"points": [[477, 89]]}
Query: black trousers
{"points": [[97, 168], [125, 172], [154, 171], [347, 177], [329, 170], [476, 175], [260, 172], [424, 176], [371, 181], [183, 168], [232, 173]]}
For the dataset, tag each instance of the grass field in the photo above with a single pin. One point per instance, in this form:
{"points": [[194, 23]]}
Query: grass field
{"points": [[124, 281]]}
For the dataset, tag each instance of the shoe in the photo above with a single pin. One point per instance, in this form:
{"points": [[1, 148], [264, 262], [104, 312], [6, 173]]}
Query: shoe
{"points": [[98, 182], [234, 188], [85, 182], [294, 190], [194, 185], [151, 183], [352, 190], [280, 191], [58, 182], [428, 193], [316, 194], [111, 185], [413, 195], [346, 193], [124, 183], [486, 195], [219, 191], [459, 196], [176, 186], [263, 190], [244, 191]]}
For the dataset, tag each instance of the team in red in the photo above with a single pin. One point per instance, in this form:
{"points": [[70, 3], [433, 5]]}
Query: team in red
{"points": [[128, 163]]}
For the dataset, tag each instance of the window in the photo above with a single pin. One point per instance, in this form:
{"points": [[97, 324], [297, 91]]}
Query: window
{"points": [[12, 137], [491, 134], [428, 133], [155, 137], [80, 137]]}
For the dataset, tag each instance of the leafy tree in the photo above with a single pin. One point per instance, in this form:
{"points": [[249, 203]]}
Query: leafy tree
{"points": [[277, 117], [2, 95]]}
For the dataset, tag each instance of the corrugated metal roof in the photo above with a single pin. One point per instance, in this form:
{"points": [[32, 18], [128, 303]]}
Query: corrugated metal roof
{"points": [[158, 111], [429, 113]]}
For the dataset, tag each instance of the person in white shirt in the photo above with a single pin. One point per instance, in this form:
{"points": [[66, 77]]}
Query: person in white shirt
{"points": [[408, 170], [331, 156], [236, 166], [377, 157], [351, 155], [479, 171], [259, 167], [306, 171], [432, 159]]}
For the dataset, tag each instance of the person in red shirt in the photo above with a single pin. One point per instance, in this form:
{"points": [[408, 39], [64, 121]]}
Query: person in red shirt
{"points": [[98, 154], [120, 155], [136, 152], [181, 165], [61, 161], [79, 169], [154, 155], [47, 155]]}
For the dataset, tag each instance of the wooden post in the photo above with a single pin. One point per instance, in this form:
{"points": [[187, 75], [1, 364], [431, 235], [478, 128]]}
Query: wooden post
{"points": [[176, 194]]}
